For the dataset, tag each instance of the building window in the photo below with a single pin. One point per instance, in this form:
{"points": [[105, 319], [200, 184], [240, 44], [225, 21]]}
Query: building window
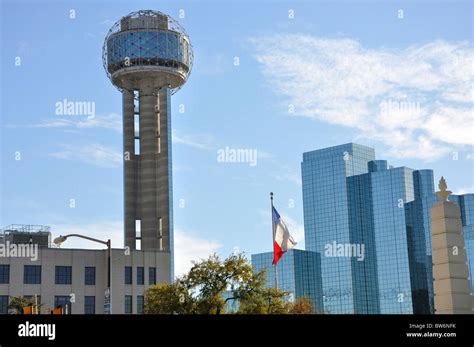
{"points": [[89, 304], [4, 274], [32, 274], [138, 234], [32, 298], [137, 147], [140, 300], [128, 304], [140, 275], [152, 275], [89, 275], [128, 275], [3, 304], [63, 275], [64, 302]]}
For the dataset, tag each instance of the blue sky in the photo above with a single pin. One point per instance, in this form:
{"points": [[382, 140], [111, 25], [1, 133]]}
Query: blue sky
{"points": [[318, 79]]}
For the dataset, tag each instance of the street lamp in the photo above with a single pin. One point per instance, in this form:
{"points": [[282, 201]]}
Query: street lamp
{"points": [[59, 240]]}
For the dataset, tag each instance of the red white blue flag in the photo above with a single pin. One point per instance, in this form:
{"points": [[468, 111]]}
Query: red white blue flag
{"points": [[282, 241]]}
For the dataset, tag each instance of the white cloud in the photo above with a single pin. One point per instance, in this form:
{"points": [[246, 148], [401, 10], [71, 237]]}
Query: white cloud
{"points": [[339, 81], [102, 230], [107, 22], [188, 247], [264, 155], [287, 173], [94, 154], [199, 141], [291, 177], [210, 63], [111, 121], [464, 190]]}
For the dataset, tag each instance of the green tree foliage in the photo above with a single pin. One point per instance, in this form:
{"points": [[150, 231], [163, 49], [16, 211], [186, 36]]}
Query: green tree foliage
{"points": [[168, 299], [301, 306], [18, 302], [264, 301], [212, 283], [209, 279]]}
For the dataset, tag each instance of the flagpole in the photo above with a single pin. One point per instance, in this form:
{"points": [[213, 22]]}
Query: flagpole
{"points": [[275, 273]]}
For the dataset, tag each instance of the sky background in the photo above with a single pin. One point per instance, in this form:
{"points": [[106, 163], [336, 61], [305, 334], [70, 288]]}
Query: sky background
{"points": [[319, 78]]}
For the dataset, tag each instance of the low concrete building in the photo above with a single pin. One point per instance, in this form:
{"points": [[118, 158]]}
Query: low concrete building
{"points": [[77, 278]]}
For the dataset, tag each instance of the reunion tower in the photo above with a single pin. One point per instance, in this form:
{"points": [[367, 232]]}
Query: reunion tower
{"points": [[148, 56]]}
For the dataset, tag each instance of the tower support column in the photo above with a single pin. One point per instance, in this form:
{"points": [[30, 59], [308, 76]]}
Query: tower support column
{"points": [[164, 169], [130, 169], [148, 175]]}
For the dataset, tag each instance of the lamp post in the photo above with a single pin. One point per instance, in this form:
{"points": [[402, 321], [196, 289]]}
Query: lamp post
{"points": [[59, 240]]}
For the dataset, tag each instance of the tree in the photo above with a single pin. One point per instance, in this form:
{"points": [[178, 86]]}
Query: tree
{"points": [[264, 300], [18, 302], [301, 306], [168, 299], [209, 279], [211, 284]]}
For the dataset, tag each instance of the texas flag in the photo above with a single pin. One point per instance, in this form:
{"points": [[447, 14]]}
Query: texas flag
{"points": [[282, 241]]}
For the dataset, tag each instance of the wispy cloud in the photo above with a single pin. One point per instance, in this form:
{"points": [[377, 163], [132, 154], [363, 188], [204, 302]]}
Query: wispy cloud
{"points": [[107, 22], [427, 87], [199, 141], [210, 63], [264, 155], [189, 247], [102, 230], [464, 190], [94, 154], [287, 173], [110, 121]]}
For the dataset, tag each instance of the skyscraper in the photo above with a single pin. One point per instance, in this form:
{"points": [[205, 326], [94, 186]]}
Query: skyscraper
{"points": [[351, 200], [326, 215], [417, 213], [299, 273], [148, 56]]}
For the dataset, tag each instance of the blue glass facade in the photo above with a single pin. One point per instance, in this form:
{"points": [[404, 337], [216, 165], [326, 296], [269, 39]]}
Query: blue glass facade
{"points": [[157, 48], [418, 220], [349, 198], [466, 205], [326, 215], [232, 305], [299, 272], [361, 225], [391, 189]]}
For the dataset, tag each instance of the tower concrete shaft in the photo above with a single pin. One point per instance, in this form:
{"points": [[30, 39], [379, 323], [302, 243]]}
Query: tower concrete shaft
{"points": [[148, 56], [147, 167]]}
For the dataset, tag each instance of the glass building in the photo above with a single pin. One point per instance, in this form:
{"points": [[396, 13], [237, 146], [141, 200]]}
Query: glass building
{"points": [[326, 215], [417, 213], [298, 271], [352, 201], [232, 305], [155, 48], [466, 205]]}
